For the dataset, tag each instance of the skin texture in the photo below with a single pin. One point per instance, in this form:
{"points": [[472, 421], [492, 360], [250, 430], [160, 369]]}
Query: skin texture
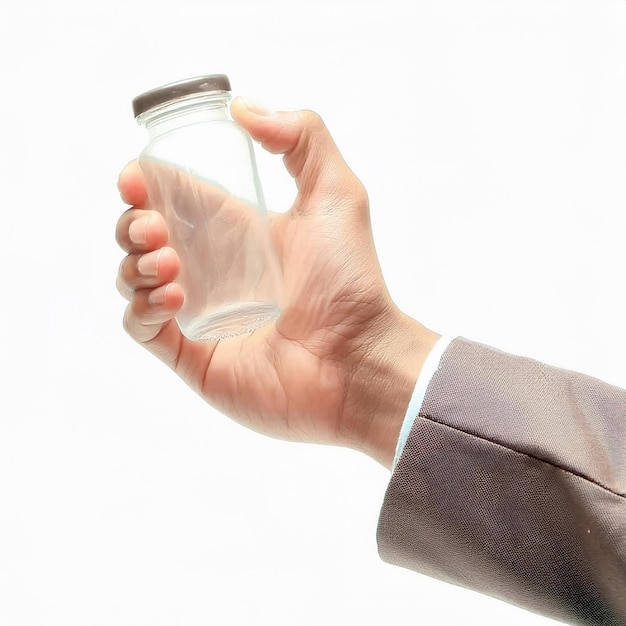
{"points": [[340, 364]]}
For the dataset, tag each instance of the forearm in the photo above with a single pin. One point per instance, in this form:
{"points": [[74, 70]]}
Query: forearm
{"points": [[513, 483]]}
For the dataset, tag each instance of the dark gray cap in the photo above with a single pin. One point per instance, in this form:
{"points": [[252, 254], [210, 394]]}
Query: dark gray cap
{"points": [[173, 91]]}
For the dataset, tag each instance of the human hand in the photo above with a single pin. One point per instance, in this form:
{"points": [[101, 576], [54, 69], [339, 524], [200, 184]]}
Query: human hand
{"points": [[339, 365]]}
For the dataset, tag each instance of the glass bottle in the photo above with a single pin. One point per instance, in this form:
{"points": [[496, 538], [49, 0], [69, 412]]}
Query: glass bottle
{"points": [[201, 175]]}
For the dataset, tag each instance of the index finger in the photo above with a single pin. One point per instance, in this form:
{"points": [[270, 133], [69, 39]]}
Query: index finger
{"points": [[132, 185]]}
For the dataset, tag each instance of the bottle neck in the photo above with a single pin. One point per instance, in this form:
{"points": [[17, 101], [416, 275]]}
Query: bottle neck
{"points": [[194, 109]]}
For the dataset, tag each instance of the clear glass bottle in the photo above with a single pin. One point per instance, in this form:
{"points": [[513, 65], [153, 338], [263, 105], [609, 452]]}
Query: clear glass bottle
{"points": [[201, 175]]}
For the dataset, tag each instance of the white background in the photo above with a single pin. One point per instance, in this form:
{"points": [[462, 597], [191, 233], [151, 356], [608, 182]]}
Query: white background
{"points": [[491, 136]]}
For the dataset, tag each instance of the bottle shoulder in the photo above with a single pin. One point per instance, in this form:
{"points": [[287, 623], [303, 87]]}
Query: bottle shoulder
{"points": [[215, 136]]}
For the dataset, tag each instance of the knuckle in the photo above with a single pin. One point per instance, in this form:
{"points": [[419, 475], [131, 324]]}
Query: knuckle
{"points": [[313, 121], [360, 194], [121, 229], [126, 325], [124, 278], [121, 236], [135, 312], [125, 271]]}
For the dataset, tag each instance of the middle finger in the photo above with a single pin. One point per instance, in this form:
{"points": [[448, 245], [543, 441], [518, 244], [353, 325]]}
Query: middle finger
{"points": [[141, 230], [147, 271]]}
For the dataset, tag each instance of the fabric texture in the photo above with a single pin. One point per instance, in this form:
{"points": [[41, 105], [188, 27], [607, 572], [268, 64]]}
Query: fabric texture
{"points": [[512, 482]]}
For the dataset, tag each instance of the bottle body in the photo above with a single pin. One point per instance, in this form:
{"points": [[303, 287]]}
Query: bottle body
{"points": [[201, 176]]}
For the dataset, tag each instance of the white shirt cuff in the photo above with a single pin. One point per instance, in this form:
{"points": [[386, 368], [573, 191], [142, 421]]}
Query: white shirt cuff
{"points": [[431, 365]]}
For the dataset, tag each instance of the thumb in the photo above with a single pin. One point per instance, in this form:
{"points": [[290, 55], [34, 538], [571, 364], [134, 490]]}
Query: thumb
{"points": [[311, 155]]}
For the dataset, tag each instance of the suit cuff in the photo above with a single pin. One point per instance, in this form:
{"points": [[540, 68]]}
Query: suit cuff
{"points": [[431, 365]]}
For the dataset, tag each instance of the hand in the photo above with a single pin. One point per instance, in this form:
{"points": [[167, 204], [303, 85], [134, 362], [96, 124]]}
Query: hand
{"points": [[340, 364]]}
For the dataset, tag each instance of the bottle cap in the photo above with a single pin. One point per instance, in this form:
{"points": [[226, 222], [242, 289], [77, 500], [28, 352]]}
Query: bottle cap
{"points": [[180, 89]]}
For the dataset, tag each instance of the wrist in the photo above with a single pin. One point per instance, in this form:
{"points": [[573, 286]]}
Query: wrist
{"points": [[382, 385]]}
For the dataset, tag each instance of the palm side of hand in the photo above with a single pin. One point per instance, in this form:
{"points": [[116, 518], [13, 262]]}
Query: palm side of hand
{"points": [[293, 379]]}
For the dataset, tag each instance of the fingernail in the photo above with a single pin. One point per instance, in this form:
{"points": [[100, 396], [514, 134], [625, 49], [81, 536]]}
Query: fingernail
{"points": [[158, 296], [137, 231], [148, 264], [256, 107]]}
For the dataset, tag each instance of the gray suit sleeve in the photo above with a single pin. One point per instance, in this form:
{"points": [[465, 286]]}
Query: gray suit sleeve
{"points": [[513, 483]]}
